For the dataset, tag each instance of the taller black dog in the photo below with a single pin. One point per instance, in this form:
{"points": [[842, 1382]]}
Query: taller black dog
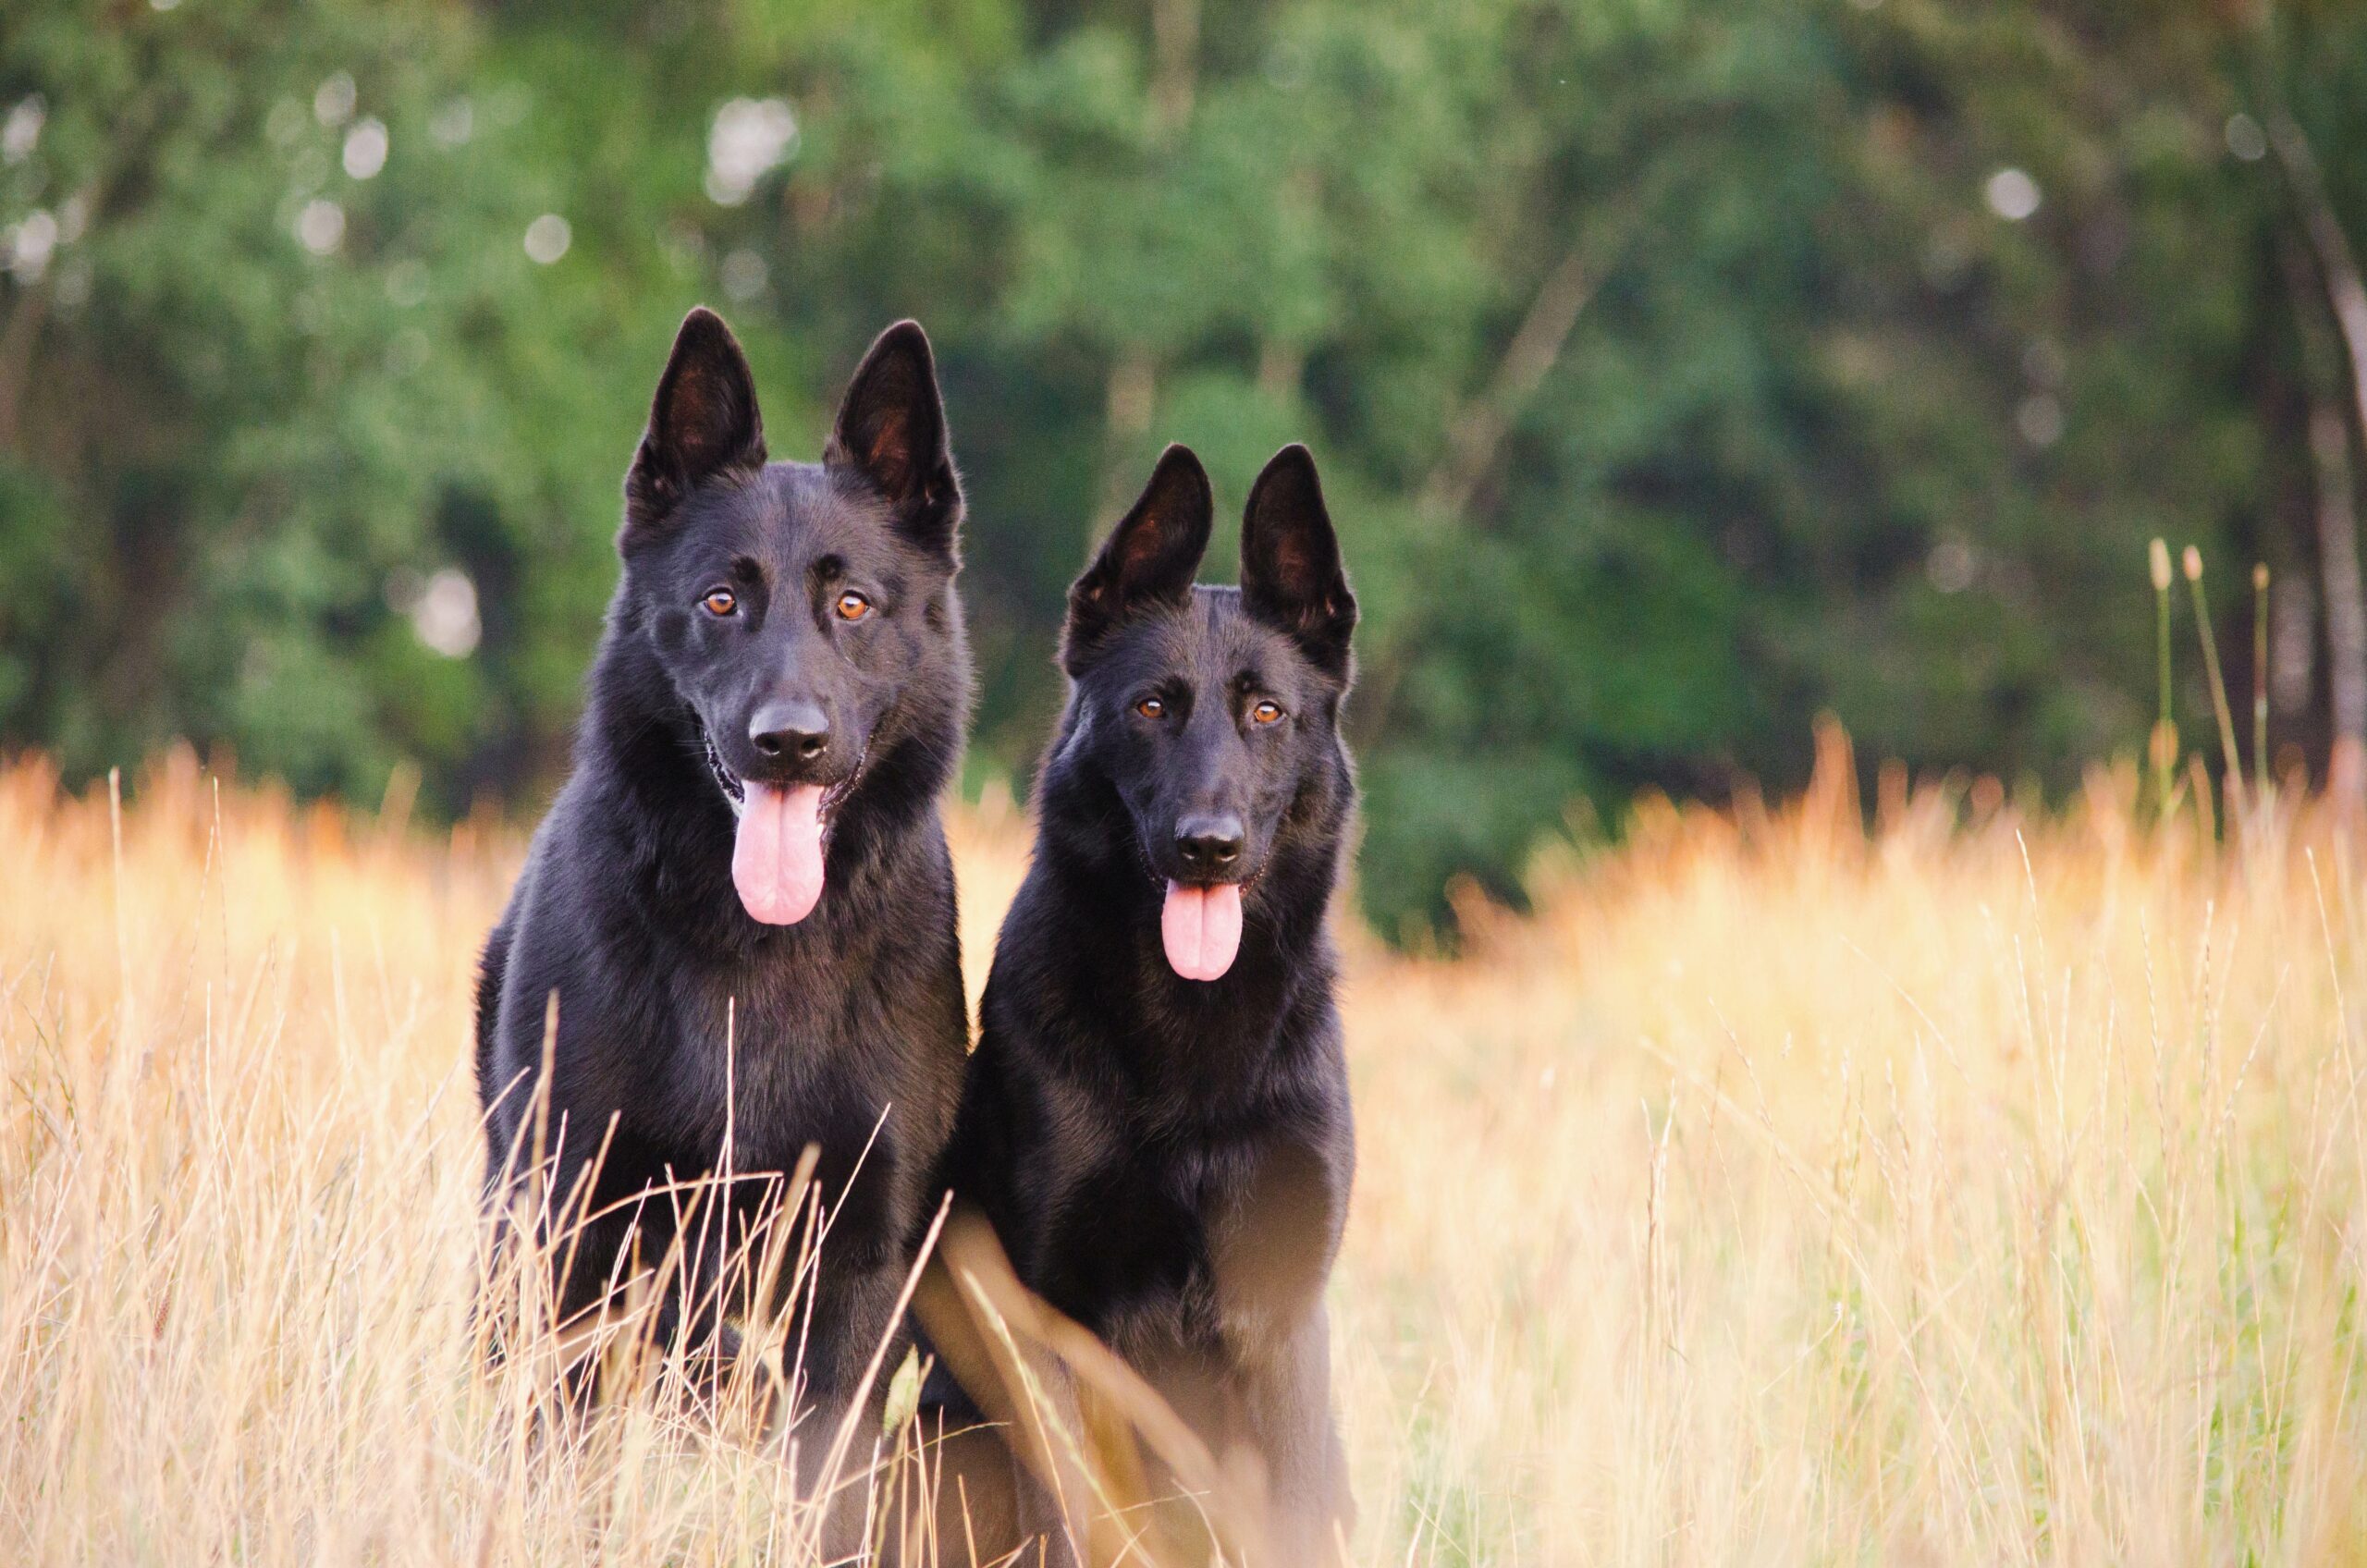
{"points": [[749, 847], [1157, 1119]]}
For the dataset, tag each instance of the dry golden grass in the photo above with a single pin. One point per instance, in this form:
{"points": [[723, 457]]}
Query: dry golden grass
{"points": [[1962, 1192]]}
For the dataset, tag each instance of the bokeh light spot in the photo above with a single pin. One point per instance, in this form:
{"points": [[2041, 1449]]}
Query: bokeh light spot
{"points": [[333, 100], [750, 137], [443, 609], [26, 247], [365, 148], [1951, 566], [547, 239], [743, 274], [320, 227], [21, 132], [2012, 194], [453, 124], [2245, 138]]}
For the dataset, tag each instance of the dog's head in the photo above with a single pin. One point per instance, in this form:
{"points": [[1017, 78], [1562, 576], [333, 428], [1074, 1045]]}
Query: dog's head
{"points": [[1213, 712], [794, 606]]}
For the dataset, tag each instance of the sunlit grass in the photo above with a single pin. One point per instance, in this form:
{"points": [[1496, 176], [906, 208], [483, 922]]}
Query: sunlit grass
{"points": [[1979, 1189]]}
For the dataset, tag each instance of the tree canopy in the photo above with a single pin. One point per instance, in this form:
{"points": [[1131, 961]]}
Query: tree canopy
{"points": [[1678, 369]]}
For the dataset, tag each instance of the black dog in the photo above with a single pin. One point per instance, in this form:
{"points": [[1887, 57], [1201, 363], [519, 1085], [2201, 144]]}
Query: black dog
{"points": [[1156, 1122], [742, 900]]}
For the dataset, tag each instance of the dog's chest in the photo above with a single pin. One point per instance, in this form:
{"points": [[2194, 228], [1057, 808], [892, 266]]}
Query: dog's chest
{"points": [[779, 1060], [1136, 1258], [1184, 1246]]}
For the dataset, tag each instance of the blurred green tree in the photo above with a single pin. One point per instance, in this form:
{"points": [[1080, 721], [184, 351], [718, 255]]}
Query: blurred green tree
{"points": [[1678, 371]]}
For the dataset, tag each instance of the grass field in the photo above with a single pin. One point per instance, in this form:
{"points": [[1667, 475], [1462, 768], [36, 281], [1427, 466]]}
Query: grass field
{"points": [[1976, 1189]]}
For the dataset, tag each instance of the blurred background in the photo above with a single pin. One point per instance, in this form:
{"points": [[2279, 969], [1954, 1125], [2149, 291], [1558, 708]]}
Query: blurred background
{"points": [[1679, 370]]}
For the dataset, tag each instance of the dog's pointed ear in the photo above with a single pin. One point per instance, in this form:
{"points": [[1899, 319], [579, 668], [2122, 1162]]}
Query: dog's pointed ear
{"points": [[702, 420], [891, 430], [1149, 557], [1291, 575]]}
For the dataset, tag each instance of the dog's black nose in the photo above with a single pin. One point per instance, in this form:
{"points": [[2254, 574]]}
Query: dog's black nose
{"points": [[797, 730], [1209, 844]]}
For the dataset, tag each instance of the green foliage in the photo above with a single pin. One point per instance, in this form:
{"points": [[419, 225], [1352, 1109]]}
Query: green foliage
{"points": [[1678, 369]]}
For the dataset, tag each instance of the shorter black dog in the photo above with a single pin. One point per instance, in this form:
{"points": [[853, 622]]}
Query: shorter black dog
{"points": [[1156, 1122]]}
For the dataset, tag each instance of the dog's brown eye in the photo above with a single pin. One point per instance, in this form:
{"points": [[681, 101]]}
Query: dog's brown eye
{"points": [[1150, 707], [723, 601], [852, 606], [1265, 713]]}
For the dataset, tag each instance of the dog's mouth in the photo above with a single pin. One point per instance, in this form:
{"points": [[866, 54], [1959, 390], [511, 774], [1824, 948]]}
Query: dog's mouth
{"points": [[735, 789], [734, 792], [781, 842]]}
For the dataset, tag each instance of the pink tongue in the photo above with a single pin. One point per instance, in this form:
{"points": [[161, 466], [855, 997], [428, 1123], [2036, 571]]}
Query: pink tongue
{"points": [[777, 860], [1202, 928]]}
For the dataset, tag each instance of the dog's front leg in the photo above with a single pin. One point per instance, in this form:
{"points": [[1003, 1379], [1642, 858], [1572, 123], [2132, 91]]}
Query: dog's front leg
{"points": [[850, 1348], [1284, 1402]]}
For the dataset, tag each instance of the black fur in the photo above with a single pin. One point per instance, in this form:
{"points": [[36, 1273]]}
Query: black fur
{"points": [[849, 1022], [1168, 1161]]}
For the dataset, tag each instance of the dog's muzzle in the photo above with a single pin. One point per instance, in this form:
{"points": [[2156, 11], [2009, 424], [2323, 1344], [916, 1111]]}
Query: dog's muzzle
{"points": [[735, 793]]}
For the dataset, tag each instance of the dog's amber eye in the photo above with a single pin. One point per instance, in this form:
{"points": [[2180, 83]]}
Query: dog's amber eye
{"points": [[852, 606], [1150, 707], [723, 601], [1265, 713]]}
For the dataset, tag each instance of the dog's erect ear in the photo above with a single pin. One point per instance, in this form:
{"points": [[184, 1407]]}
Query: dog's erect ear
{"points": [[891, 430], [1291, 576], [1148, 559], [702, 420]]}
